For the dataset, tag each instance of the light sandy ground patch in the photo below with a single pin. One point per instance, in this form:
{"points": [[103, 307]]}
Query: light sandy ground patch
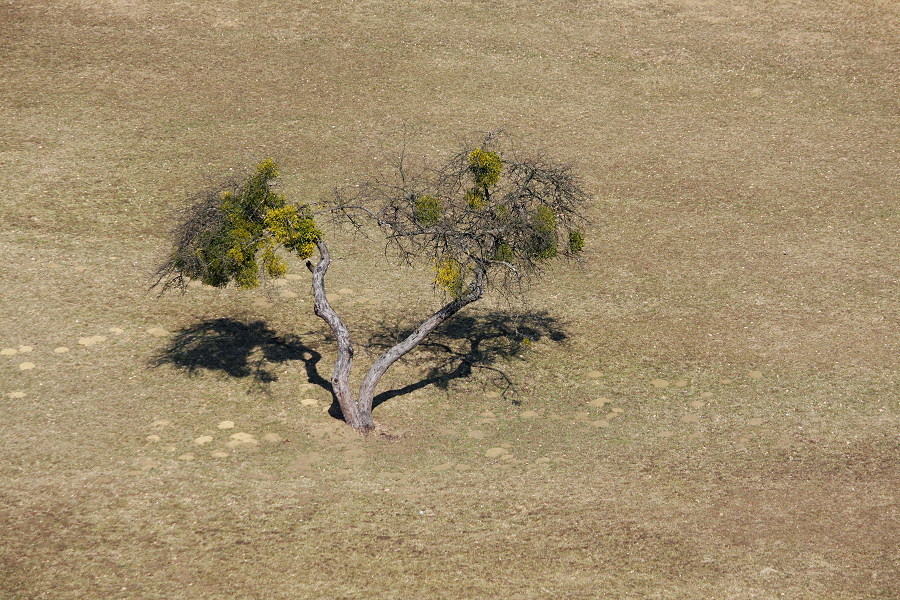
{"points": [[262, 303], [203, 439], [755, 375], [152, 438], [659, 383], [353, 452], [187, 456], [160, 424], [145, 463], [293, 277], [272, 438], [594, 374], [157, 331], [499, 452], [8, 352], [333, 432], [16, 395], [225, 425], [529, 414], [288, 294], [26, 366], [309, 402], [476, 434], [697, 404], [116, 330], [706, 394], [690, 418], [599, 402], [345, 292], [305, 462], [91, 340], [754, 422], [332, 297], [25, 349], [61, 349], [681, 383], [219, 454], [600, 423], [241, 439]]}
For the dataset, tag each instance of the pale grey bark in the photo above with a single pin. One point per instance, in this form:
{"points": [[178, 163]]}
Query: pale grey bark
{"points": [[358, 411], [383, 363], [340, 379]]}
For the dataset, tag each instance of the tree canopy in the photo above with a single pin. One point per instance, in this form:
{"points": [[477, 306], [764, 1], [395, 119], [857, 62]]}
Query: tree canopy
{"points": [[485, 218]]}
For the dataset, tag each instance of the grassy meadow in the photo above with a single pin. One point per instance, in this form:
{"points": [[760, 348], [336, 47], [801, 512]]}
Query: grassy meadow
{"points": [[708, 407]]}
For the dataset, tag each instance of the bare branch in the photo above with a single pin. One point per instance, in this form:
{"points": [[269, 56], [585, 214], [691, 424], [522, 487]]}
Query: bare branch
{"points": [[506, 225]]}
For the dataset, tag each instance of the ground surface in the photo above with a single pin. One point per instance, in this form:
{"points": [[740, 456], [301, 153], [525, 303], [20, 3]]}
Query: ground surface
{"points": [[709, 409]]}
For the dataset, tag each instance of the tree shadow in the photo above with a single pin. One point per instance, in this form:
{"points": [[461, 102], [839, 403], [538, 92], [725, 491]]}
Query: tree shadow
{"points": [[471, 343], [238, 349], [455, 351]]}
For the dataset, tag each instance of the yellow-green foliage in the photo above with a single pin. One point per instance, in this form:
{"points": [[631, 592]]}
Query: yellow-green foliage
{"points": [[254, 219], [576, 241], [503, 252], [267, 169], [543, 223], [449, 276], [294, 228], [544, 219], [485, 166], [271, 262], [427, 210], [475, 199]]}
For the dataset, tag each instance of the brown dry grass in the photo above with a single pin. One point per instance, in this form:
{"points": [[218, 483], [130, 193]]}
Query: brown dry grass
{"points": [[745, 251]]}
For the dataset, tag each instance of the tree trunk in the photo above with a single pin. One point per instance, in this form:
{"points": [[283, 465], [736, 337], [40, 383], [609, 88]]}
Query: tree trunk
{"points": [[354, 414], [358, 412]]}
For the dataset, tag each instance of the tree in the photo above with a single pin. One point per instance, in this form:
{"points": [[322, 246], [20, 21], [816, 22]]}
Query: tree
{"points": [[487, 218]]}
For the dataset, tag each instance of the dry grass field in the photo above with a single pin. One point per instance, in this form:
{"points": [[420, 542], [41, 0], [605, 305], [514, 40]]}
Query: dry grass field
{"points": [[710, 405]]}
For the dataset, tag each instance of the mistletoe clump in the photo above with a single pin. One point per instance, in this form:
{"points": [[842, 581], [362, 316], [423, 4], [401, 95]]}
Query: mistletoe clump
{"points": [[233, 234]]}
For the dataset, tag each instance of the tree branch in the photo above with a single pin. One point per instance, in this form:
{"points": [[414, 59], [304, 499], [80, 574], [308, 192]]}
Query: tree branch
{"points": [[381, 365]]}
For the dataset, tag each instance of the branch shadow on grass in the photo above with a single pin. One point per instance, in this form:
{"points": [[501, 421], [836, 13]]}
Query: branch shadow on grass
{"points": [[471, 343], [238, 349], [457, 350]]}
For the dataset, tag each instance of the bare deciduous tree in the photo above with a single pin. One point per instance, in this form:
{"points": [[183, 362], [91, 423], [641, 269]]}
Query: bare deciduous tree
{"points": [[488, 218]]}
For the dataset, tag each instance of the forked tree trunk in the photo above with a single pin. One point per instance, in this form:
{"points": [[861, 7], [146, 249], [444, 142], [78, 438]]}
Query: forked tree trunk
{"points": [[358, 411]]}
